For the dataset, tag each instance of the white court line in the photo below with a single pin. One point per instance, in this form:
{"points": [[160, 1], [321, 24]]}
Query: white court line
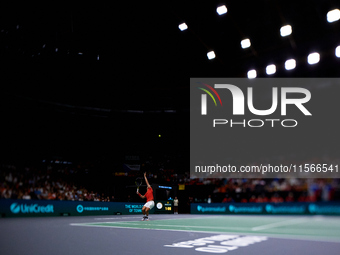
{"points": [[162, 225], [160, 219], [117, 218], [156, 225], [177, 230], [277, 236], [281, 223]]}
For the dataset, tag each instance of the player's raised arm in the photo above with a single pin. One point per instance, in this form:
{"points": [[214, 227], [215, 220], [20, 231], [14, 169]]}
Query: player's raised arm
{"points": [[146, 180]]}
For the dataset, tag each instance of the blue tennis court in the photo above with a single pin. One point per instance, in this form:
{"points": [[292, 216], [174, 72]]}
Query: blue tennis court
{"points": [[169, 234]]}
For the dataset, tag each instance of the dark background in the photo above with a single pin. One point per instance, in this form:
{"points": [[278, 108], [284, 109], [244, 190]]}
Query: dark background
{"points": [[66, 103]]}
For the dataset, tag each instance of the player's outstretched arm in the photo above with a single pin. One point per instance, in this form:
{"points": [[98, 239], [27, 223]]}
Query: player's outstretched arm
{"points": [[146, 180]]}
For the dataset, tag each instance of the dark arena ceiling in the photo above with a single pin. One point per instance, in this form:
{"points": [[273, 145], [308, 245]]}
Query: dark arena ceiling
{"points": [[106, 60]]}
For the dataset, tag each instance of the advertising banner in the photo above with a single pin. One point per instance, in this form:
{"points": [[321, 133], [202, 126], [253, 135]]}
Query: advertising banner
{"points": [[23, 208], [163, 207], [319, 208]]}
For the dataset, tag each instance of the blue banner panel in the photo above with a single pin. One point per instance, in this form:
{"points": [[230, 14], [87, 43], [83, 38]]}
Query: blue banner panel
{"points": [[23, 208], [163, 207], [319, 208]]}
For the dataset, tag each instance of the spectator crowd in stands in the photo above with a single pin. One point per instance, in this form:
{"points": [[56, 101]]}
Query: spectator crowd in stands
{"points": [[57, 183], [276, 190], [31, 183]]}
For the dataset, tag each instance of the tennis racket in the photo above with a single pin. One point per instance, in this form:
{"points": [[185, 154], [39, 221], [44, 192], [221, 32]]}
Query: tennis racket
{"points": [[138, 182]]}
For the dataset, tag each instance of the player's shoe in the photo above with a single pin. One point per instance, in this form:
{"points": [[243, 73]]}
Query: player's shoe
{"points": [[147, 218], [144, 217]]}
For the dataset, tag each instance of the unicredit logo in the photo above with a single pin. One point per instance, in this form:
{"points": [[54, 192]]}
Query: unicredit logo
{"points": [[32, 208], [15, 208]]}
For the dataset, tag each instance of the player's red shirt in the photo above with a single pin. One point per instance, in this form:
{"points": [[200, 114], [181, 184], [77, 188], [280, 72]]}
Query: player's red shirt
{"points": [[149, 195]]}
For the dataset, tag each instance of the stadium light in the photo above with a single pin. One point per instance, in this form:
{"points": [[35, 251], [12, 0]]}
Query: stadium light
{"points": [[286, 30], [252, 74], [245, 43], [337, 51], [333, 15], [313, 58], [290, 64], [211, 55], [183, 26], [221, 10], [270, 69]]}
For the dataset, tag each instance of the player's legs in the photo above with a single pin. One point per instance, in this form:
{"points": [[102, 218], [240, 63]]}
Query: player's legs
{"points": [[144, 212], [146, 208]]}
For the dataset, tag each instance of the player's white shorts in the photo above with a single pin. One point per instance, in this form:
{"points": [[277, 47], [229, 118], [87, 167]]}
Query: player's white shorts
{"points": [[150, 204]]}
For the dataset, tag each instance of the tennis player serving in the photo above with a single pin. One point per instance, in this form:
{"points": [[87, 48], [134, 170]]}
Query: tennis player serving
{"points": [[149, 200]]}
